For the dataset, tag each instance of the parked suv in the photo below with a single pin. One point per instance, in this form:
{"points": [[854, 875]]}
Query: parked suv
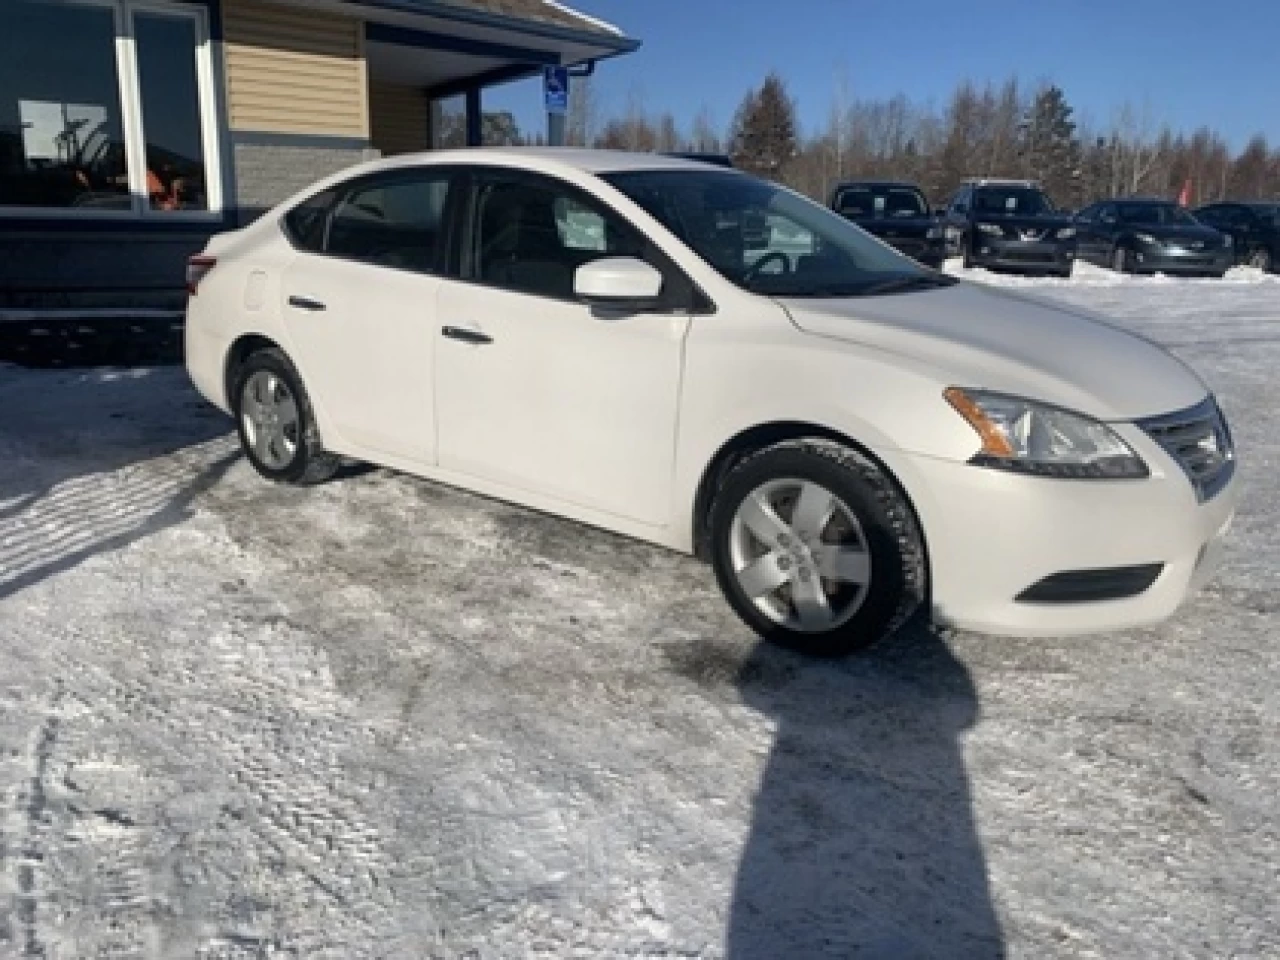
{"points": [[896, 212], [1151, 236], [1253, 227], [1009, 225]]}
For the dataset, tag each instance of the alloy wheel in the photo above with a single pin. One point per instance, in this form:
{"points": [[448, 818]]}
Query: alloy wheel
{"points": [[799, 554], [269, 415]]}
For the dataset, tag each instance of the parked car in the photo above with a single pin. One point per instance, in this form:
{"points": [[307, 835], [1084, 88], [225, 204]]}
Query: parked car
{"points": [[1254, 229], [1151, 236], [896, 212], [1009, 225], [842, 433]]}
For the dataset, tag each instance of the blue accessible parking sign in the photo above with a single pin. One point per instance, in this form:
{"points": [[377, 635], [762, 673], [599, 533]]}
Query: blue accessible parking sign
{"points": [[555, 89]]}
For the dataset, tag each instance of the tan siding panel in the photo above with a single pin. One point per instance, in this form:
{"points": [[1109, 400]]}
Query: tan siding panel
{"points": [[397, 118], [291, 70]]}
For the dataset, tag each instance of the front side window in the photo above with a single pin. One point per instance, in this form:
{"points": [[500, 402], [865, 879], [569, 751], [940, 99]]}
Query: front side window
{"points": [[767, 239], [67, 143], [393, 220], [532, 235]]}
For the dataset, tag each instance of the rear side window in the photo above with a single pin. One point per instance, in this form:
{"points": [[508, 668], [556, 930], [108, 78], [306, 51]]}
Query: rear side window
{"points": [[306, 222], [392, 221]]}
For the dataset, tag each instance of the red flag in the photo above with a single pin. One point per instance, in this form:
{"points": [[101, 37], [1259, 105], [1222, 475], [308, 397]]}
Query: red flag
{"points": [[1184, 198]]}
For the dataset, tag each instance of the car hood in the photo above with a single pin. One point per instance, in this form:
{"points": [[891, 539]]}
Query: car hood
{"points": [[897, 226], [1180, 234], [978, 337], [1025, 223]]}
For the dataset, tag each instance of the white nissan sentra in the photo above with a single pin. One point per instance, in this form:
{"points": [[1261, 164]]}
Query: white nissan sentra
{"points": [[704, 360]]}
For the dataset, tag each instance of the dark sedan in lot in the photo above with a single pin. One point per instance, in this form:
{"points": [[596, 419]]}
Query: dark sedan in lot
{"points": [[1151, 236], [1253, 227], [1009, 225], [896, 212]]}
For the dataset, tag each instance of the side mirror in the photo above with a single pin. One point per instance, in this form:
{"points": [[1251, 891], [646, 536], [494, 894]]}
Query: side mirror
{"points": [[618, 283]]}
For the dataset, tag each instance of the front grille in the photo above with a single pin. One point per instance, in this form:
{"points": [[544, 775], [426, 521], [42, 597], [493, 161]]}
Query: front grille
{"points": [[1200, 441], [1013, 254]]}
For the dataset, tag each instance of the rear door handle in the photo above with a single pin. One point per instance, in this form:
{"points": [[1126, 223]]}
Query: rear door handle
{"points": [[306, 303], [465, 335]]}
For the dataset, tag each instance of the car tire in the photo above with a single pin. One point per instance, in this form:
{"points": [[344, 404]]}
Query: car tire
{"points": [[275, 421], [1260, 259], [1122, 259], [825, 587]]}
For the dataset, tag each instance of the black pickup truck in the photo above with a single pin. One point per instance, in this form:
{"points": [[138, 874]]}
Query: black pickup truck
{"points": [[896, 212]]}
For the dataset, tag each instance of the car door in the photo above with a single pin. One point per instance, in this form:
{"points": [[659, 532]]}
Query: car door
{"points": [[359, 310], [535, 391], [1107, 231], [956, 222], [1088, 242]]}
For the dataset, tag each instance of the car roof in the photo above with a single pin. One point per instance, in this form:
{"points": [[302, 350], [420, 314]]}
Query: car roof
{"points": [[544, 158], [843, 184]]}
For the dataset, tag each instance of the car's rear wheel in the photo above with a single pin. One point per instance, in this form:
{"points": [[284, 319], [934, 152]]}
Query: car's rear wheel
{"points": [[275, 421], [1261, 259], [816, 548]]}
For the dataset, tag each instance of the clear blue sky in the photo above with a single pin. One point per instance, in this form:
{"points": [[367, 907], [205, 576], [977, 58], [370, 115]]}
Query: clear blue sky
{"points": [[1188, 61]]}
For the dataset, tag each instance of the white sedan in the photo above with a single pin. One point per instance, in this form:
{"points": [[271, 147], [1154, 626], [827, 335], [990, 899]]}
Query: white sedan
{"points": [[844, 434]]}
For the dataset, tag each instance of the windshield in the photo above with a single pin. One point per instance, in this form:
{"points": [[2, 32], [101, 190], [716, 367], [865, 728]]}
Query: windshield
{"points": [[769, 240], [1156, 214], [881, 202], [1011, 202], [1268, 213]]}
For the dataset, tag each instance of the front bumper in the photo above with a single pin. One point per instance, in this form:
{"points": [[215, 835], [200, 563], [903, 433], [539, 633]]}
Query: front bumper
{"points": [[1155, 258], [929, 252], [992, 536], [1055, 255]]}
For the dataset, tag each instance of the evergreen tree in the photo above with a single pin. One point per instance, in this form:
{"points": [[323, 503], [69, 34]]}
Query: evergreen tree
{"points": [[764, 139], [1049, 147]]}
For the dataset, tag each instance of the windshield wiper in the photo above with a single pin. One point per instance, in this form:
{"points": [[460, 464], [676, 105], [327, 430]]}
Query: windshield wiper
{"points": [[903, 284]]}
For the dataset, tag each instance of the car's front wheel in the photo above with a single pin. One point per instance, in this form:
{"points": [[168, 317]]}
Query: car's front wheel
{"points": [[1260, 259], [275, 421], [816, 548]]}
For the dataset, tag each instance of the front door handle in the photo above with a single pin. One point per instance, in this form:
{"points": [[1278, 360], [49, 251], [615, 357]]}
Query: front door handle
{"points": [[465, 335], [306, 303]]}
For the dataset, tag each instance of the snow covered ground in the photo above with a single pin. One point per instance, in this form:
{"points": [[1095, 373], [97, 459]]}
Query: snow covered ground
{"points": [[381, 718]]}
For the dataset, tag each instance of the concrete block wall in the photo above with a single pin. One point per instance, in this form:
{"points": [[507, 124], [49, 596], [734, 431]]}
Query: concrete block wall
{"points": [[270, 168]]}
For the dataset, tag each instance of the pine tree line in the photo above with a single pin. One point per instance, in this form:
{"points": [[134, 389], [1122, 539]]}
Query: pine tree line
{"points": [[1005, 129]]}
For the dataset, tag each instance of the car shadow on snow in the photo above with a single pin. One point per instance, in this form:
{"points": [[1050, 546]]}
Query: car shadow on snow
{"points": [[862, 841], [92, 461]]}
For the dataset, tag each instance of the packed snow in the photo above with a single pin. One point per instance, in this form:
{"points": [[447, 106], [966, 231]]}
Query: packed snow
{"points": [[382, 718]]}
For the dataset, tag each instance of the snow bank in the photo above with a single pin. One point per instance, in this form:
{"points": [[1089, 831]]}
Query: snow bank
{"points": [[1089, 275]]}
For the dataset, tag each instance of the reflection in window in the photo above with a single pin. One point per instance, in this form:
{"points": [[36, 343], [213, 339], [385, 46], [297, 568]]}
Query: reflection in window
{"points": [[61, 136], [166, 51], [449, 123]]}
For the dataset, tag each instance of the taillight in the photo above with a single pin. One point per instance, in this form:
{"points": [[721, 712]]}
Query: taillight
{"points": [[197, 268]]}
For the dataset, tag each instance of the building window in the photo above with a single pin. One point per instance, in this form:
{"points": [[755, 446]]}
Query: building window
{"points": [[106, 108]]}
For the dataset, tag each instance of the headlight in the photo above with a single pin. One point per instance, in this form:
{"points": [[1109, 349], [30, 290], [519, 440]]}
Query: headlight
{"points": [[1146, 238], [1066, 233], [991, 229], [1035, 438], [935, 233]]}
